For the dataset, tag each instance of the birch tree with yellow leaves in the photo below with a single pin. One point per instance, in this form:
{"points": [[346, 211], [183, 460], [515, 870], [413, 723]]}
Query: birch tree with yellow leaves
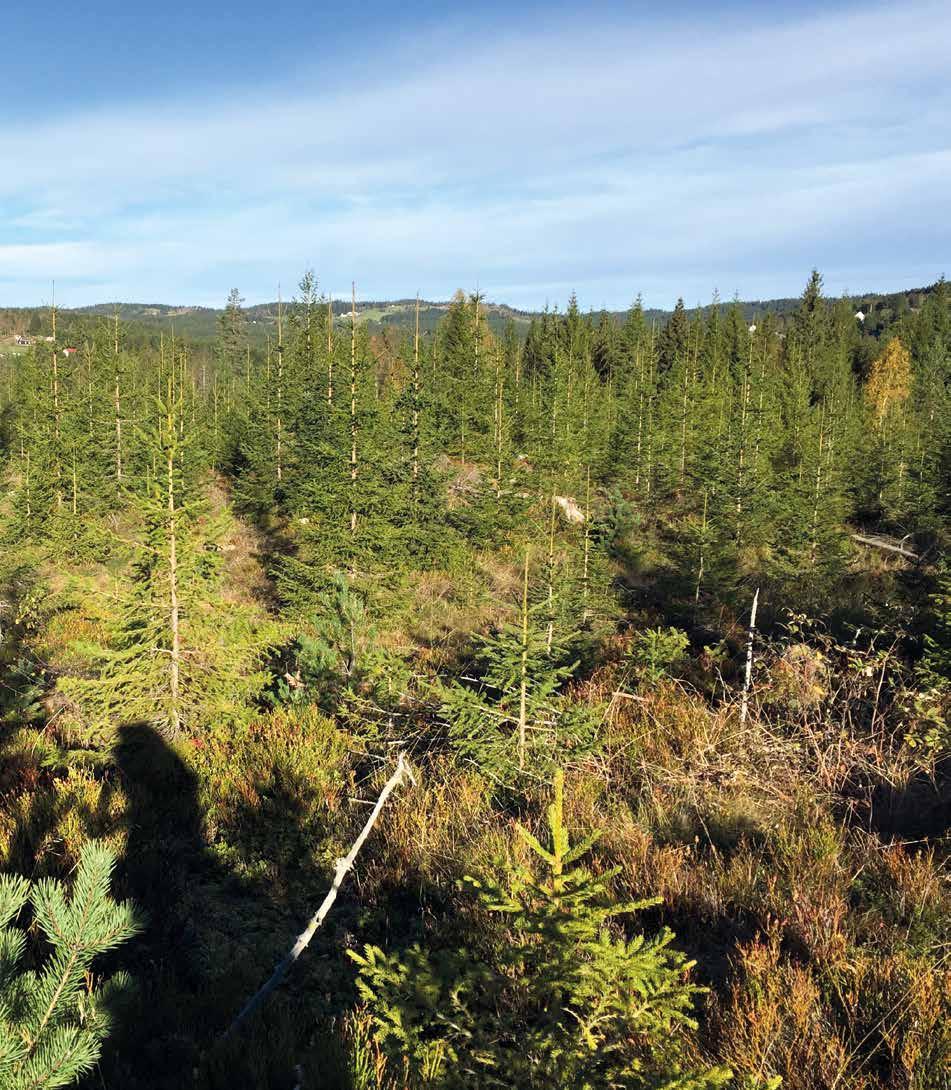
{"points": [[887, 393]]}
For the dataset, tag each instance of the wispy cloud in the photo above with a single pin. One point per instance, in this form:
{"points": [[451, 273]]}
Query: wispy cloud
{"points": [[613, 156]]}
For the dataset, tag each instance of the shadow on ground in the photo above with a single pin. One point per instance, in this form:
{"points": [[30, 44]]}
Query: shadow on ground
{"points": [[210, 939]]}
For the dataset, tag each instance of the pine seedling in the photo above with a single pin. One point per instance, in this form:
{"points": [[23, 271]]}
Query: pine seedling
{"points": [[52, 1019]]}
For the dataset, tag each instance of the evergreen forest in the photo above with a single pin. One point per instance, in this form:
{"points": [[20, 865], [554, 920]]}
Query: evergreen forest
{"points": [[584, 679]]}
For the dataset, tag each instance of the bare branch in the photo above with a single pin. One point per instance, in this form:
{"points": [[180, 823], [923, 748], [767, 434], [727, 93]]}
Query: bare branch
{"points": [[744, 707], [402, 771], [879, 542]]}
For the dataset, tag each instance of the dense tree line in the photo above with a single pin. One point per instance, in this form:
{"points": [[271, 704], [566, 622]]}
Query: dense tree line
{"points": [[603, 497]]}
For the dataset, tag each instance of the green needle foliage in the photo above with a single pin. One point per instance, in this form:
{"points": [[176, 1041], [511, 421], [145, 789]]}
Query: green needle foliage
{"points": [[934, 674], [516, 720], [172, 658], [390, 467], [566, 1000], [52, 1019]]}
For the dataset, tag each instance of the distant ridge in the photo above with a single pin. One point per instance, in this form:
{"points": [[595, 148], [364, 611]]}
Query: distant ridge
{"points": [[395, 309], [201, 323]]}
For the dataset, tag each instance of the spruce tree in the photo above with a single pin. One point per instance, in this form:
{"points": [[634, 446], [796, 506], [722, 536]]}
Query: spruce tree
{"points": [[560, 999], [232, 335], [515, 719], [172, 656]]}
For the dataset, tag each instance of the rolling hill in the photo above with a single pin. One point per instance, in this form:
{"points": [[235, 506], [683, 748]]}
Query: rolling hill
{"points": [[200, 324]]}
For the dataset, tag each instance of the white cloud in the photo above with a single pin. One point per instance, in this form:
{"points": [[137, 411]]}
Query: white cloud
{"points": [[590, 155]]}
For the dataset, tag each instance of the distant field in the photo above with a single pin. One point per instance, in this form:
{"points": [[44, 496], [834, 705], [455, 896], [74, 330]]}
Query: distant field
{"points": [[403, 316], [8, 348]]}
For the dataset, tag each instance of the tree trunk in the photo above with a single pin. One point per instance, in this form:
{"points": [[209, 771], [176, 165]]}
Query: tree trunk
{"points": [[416, 402], [586, 557], [330, 352], [353, 407], [279, 423], [175, 652], [523, 670]]}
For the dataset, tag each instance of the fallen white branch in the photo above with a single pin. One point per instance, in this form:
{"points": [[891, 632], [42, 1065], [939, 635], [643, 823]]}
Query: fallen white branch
{"points": [[745, 705], [888, 546], [340, 871]]}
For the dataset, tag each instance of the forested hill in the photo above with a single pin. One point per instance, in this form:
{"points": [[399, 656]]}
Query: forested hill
{"points": [[199, 323]]}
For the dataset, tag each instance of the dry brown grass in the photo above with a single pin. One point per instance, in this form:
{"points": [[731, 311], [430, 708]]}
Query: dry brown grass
{"points": [[437, 828]]}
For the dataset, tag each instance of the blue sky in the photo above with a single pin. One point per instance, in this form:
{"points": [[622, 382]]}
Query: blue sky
{"points": [[152, 153]]}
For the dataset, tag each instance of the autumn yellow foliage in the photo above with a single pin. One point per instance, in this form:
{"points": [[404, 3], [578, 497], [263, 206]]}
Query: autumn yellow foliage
{"points": [[889, 381]]}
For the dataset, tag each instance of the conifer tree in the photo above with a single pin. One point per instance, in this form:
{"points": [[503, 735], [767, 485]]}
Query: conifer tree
{"points": [[564, 1001], [629, 373], [231, 356], [817, 420], [674, 340], [172, 658], [516, 720], [930, 469], [53, 1020]]}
